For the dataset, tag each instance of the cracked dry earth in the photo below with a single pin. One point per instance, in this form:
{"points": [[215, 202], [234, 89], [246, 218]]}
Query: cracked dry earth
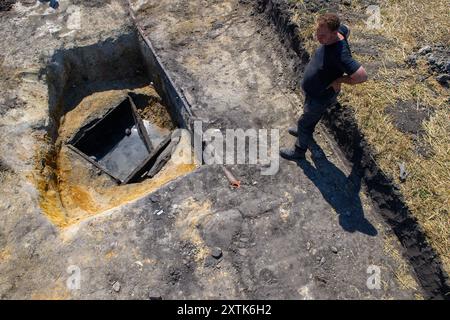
{"points": [[307, 232]]}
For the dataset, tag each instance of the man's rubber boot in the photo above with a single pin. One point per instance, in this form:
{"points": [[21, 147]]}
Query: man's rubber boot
{"points": [[293, 131], [54, 4], [294, 154]]}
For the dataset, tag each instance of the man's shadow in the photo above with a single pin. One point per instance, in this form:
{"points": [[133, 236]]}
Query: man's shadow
{"points": [[341, 192]]}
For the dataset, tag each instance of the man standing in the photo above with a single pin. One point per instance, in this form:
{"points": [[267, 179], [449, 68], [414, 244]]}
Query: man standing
{"points": [[322, 80]]}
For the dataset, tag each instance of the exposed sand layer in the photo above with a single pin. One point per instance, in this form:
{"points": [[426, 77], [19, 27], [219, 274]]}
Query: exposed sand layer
{"points": [[72, 189]]}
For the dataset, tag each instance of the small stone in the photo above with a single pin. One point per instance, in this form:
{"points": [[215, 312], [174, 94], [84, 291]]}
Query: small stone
{"points": [[116, 286], [322, 261], [308, 246], [334, 249], [127, 131], [216, 252], [244, 239], [424, 50], [411, 60]]}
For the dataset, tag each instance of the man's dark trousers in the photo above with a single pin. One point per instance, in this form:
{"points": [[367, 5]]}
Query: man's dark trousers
{"points": [[313, 111]]}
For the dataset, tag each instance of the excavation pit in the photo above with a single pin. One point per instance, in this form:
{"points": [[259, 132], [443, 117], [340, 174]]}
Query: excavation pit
{"points": [[116, 122], [119, 143]]}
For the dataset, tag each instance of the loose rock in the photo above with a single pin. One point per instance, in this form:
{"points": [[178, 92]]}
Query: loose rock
{"points": [[116, 286], [216, 252]]}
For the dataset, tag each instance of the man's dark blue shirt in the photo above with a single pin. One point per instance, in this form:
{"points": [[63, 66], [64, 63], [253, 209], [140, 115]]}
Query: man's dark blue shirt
{"points": [[328, 63]]}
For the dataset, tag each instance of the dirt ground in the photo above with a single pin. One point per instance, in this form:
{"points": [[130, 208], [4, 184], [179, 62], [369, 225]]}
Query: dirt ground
{"points": [[308, 232]]}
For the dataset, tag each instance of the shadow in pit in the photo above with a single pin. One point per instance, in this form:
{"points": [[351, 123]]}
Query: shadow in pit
{"points": [[341, 192]]}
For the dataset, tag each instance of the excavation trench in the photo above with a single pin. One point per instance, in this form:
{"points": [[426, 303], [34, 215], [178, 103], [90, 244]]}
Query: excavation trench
{"points": [[115, 121], [342, 124]]}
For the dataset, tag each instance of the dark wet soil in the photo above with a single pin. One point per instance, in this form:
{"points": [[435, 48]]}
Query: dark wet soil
{"points": [[408, 116], [6, 5]]}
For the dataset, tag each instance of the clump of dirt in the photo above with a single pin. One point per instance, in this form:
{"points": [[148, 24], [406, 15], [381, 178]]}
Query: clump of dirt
{"points": [[4, 170], [9, 99], [92, 3], [437, 59], [3, 166], [6, 5], [150, 108], [70, 188]]}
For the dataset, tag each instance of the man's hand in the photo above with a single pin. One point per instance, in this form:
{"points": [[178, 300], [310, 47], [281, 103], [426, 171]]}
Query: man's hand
{"points": [[359, 76]]}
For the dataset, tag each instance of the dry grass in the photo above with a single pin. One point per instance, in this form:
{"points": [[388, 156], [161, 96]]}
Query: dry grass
{"points": [[402, 272], [408, 25]]}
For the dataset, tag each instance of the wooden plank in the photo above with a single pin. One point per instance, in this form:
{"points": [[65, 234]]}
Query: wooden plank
{"points": [[95, 163], [89, 126]]}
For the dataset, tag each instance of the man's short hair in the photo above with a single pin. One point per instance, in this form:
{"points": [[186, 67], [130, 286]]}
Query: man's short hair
{"points": [[331, 20]]}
